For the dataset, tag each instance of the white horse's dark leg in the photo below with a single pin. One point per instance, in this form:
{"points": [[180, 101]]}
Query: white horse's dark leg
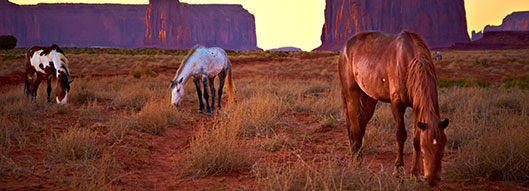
{"points": [[199, 93], [205, 81], [221, 86], [49, 88], [212, 88]]}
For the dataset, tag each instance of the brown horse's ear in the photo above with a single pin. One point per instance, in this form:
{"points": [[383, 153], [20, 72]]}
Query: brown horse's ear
{"points": [[421, 125], [444, 123], [70, 82]]}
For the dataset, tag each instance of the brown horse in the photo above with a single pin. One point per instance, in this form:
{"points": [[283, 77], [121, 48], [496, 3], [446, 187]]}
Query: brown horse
{"points": [[45, 63], [397, 69]]}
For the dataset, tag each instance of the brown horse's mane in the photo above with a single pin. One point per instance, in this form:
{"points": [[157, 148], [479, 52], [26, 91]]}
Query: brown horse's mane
{"points": [[422, 86], [186, 58]]}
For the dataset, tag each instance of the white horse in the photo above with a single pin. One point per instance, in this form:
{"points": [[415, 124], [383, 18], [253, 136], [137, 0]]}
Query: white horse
{"points": [[437, 56], [203, 64]]}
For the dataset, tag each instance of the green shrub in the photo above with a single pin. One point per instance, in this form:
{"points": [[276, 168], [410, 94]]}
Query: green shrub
{"points": [[7, 42], [461, 82], [521, 81], [139, 72]]}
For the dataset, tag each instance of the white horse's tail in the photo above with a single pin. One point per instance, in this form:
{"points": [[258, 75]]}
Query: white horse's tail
{"points": [[230, 85]]}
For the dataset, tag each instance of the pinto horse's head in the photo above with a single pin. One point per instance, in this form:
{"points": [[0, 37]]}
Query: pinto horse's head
{"points": [[177, 90], [433, 141], [63, 87]]}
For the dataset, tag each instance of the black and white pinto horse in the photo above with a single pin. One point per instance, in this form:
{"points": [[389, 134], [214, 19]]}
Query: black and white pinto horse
{"points": [[203, 64], [45, 63]]}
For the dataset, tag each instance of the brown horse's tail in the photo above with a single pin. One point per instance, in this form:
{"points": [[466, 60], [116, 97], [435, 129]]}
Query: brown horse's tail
{"points": [[230, 84]]}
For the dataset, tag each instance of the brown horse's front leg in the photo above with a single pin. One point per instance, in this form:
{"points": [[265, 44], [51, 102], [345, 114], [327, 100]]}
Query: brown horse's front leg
{"points": [[398, 114], [415, 167]]}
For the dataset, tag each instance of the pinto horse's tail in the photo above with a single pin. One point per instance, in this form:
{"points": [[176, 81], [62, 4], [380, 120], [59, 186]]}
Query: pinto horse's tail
{"points": [[26, 87], [230, 85]]}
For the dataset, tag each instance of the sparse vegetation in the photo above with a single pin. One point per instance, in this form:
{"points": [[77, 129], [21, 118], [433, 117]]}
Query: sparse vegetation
{"points": [[75, 144], [216, 150], [7, 42], [328, 175], [521, 81], [285, 131]]}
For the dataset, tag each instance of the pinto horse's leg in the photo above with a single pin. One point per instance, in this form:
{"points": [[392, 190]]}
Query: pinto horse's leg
{"points": [[212, 88], [398, 113], [205, 81], [199, 93], [36, 85], [49, 88]]}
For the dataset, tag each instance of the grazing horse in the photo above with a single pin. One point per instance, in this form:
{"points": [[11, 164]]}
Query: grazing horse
{"points": [[203, 64], [397, 69], [47, 62], [437, 56]]}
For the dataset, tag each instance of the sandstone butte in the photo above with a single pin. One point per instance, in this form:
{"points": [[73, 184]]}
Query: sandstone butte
{"points": [[516, 21], [162, 24], [441, 23]]}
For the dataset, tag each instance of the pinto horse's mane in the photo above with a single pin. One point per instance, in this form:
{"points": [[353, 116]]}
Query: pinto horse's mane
{"points": [[422, 84], [186, 58]]}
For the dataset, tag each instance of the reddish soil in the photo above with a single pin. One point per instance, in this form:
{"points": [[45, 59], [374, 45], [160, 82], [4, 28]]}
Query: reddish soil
{"points": [[152, 162]]}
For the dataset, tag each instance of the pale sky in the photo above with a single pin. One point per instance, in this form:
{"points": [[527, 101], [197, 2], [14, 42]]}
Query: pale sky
{"points": [[298, 23]]}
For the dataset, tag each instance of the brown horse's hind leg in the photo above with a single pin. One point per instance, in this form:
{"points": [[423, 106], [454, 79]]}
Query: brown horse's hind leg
{"points": [[398, 114], [416, 149], [359, 109]]}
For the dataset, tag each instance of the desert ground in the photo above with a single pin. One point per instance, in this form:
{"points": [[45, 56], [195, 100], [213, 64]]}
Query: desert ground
{"points": [[284, 132]]}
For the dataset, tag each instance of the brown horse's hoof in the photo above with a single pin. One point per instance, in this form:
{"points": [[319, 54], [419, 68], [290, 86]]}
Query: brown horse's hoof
{"points": [[415, 177], [397, 172]]}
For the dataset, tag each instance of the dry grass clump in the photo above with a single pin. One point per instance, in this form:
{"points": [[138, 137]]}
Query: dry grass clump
{"points": [[76, 143], [474, 111], [8, 131], [499, 154], [6, 163], [328, 175], [155, 116], [257, 114], [98, 177], [83, 91], [275, 142], [217, 150], [131, 96], [322, 98]]}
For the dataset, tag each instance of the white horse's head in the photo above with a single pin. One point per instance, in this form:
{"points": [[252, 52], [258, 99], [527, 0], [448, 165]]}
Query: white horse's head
{"points": [[177, 90]]}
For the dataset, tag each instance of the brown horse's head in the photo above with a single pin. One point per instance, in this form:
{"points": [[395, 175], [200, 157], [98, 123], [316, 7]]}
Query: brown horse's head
{"points": [[433, 141]]}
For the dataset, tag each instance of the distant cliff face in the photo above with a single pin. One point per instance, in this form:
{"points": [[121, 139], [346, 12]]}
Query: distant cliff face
{"points": [[517, 21], [440, 22], [82, 25], [162, 23], [498, 40], [171, 24]]}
